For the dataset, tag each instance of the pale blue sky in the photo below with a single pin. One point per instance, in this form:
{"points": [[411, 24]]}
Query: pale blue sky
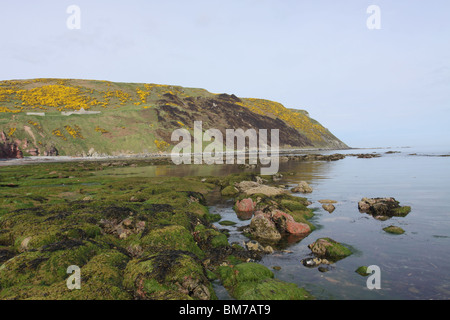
{"points": [[387, 87]]}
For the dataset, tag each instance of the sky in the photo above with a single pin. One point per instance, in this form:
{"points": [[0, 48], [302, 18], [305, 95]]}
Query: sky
{"points": [[387, 86]]}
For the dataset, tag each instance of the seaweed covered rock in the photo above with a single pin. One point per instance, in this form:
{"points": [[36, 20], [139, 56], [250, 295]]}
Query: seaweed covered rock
{"points": [[229, 191], [263, 227], [329, 249], [394, 230], [252, 281], [169, 275], [383, 207]]}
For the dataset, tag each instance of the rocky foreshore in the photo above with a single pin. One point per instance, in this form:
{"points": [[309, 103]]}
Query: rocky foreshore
{"points": [[131, 237], [155, 238]]}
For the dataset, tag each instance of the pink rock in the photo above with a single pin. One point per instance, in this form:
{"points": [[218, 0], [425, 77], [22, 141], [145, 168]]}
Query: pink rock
{"points": [[245, 205], [245, 208], [286, 223], [297, 228]]}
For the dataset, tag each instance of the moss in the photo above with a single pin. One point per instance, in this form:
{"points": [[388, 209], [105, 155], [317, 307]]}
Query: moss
{"points": [[227, 223], [210, 237], [330, 249], [231, 275], [394, 230], [401, 211], [270, 289], [169, 238], [169, 275], [253, 281], [106, 267], [293, 205], [229, 191], [362, 271], [220, 240]]}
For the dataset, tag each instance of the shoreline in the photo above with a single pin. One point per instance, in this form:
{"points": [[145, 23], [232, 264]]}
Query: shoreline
{"points": [[149, 156]]}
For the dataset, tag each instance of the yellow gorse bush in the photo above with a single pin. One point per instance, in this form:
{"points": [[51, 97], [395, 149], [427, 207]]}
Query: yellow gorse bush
{"points": [[57, 132], [299, 121], [75, 132], [161, 145], [56, 96]]}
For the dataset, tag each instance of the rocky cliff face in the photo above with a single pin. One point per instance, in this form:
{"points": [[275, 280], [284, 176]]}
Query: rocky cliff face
{"points": [[9, 149]]}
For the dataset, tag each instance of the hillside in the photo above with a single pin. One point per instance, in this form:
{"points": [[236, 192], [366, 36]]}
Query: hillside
{"points": [[133, 118]]}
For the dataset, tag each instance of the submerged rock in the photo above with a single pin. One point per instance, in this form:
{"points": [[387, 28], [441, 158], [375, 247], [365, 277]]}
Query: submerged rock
{"points": [[394, 230]]}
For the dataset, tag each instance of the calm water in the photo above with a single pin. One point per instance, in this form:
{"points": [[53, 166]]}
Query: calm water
{"points": [[413, 265]]}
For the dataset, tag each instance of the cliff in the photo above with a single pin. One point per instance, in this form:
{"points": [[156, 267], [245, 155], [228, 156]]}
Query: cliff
{"points": [[90, 117]]}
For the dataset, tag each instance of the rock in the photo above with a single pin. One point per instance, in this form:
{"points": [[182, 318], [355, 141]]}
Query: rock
{"points": [[268, 249], [33, 152], [329, 249], [277, 268], [277, 177], [24, 244], [327, 201], [263, 227], [254, 245], [367, 155], [253, 281], [302, 187], [265, 190], [311, 262], [246, 185], [383, 207], [227, 223], [362, 271], [328, 207], [394, 230], [9, 149], [286, 224], [245, 205]]}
